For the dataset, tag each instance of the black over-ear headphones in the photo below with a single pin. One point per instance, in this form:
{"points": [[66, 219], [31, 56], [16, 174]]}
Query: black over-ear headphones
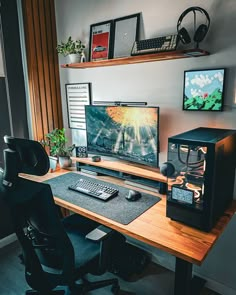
{"points": [[200, 32]]}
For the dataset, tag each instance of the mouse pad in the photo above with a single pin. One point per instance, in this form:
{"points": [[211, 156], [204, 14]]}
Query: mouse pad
{"points": [[117, 208]]}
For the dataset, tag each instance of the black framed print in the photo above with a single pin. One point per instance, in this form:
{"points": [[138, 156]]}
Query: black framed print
{"points": [[126, 32], [78, 95], [100, 43], [204, 90]]}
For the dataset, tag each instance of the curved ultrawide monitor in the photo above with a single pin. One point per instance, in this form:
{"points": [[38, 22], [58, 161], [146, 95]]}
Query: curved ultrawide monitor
{"points": [[127, 132]]}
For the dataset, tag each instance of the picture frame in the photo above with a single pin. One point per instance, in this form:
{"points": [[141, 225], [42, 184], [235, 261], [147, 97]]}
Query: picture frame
{"points": [[101, 40], [126, 32], [78, 95], [204, 90]]}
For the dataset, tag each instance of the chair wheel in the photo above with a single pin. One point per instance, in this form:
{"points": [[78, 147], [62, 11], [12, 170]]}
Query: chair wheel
{"points": [[115, 289]]}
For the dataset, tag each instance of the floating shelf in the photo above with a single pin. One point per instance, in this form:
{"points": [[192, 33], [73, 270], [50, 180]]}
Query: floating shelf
{"points": [[139, 59]]}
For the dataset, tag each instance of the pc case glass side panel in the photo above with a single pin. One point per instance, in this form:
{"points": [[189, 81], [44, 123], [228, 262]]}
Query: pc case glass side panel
{"points": [[190, 165]]}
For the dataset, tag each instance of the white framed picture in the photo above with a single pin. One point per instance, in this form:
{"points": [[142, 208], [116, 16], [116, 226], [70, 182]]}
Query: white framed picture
{"points": [[78, 95]]}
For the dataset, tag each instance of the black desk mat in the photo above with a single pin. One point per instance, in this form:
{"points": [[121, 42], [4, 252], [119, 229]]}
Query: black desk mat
{"points": [[118, 208]]}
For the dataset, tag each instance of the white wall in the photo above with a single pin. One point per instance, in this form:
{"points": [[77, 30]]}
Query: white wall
{"points": [[158, 83], [161, 83]]}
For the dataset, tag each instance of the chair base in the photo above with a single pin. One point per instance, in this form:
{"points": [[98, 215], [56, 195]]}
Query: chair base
{"points": [[83, 288], [89, 286], [55, 292]]}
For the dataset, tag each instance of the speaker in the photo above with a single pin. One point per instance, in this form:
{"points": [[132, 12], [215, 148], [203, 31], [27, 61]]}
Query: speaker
{"points": [[200, 32], [167, 169]]}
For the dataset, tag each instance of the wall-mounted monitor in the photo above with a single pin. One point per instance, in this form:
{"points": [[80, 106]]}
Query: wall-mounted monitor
{"points": [[126, 132], [204, 90]]}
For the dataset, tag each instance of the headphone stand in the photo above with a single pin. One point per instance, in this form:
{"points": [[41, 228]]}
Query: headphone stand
{"points": [[200, 32]]}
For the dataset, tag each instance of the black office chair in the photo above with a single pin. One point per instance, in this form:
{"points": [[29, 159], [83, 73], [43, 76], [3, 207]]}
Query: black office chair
{"points": [[55, 252]]}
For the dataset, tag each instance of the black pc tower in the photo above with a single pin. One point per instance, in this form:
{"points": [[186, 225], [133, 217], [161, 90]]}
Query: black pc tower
{"points": [[201, 175]]}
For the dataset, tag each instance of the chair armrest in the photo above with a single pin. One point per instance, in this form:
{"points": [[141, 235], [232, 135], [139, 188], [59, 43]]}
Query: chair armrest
{"points": [[100, 233], [104, 236]]}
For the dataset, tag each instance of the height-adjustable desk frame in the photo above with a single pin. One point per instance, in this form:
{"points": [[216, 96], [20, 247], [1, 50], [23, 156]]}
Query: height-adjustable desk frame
{"points": [[189, 246]]}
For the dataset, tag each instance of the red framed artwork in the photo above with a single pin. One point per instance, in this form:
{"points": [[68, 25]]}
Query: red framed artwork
{"points": [[101, 40]]}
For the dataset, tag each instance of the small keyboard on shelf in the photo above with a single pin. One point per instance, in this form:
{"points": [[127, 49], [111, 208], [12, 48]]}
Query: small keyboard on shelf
{"points": [[155, 45], [94, 189]]}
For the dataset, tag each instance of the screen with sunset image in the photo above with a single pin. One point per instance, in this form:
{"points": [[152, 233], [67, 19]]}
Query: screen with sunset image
{"points": [[126, 132], [204, 90]]}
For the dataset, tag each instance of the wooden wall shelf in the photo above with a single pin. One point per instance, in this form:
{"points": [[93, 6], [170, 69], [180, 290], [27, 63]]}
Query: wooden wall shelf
{"points": [[139, 59]]}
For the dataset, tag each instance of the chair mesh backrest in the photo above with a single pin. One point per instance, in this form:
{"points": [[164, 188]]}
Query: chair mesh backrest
{"points": [[35, 215], [37, 222]]}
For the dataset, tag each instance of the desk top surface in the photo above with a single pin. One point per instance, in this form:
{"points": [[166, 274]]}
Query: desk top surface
{"points": [[154, 228]]}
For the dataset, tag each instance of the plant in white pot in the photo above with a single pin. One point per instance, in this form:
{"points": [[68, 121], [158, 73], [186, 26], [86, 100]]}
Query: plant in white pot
{"points": [[72, 48], [57, 142]]}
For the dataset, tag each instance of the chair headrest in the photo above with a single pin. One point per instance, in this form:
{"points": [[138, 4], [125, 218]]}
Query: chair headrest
{"points": [[30, 156]]}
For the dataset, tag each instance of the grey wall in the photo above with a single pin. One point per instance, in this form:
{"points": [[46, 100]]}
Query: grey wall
{"points": [[5, 222], [13, 69], [161, 83], [13, 117], [2, 74]]}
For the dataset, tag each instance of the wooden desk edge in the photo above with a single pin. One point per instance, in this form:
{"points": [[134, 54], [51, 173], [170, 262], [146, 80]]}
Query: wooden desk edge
{"points": [[216, 232]]}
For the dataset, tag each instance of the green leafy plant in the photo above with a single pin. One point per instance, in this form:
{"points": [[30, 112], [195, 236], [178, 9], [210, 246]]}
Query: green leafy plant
{"points": [[70, 47], [57, 142]]}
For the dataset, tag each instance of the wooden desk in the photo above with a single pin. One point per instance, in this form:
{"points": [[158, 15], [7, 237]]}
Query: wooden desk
{"points": [[189, 246]]}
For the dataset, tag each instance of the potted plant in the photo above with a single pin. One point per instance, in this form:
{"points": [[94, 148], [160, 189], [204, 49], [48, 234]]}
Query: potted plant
{"points": [[57, 142], [73, 48]]}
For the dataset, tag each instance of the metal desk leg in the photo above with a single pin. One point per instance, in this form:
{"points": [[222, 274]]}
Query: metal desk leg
{"points": [[185, 284]]}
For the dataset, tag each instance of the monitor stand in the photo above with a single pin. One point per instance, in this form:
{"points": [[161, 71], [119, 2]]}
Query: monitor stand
{"points": [[138, 175], [144, 186]]}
